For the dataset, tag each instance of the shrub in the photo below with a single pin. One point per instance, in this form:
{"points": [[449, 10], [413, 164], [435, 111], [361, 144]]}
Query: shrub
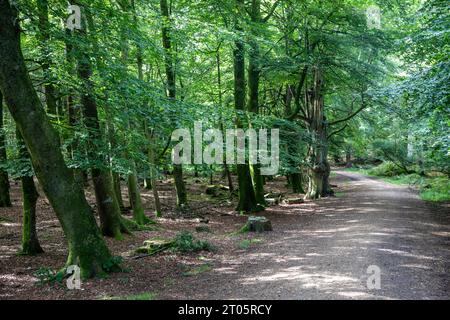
{"points": [[47, 275], [386, 169], [185, 242]]}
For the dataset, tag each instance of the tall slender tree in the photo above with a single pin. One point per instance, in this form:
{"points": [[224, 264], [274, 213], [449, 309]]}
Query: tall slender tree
{"points": [[247, 198], [30, 242], [171, 93]]}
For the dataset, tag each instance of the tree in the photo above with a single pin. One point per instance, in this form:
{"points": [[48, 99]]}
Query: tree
{"points": [[247, 197], [108, 206], [30, 242], [86, 246], [5, 199], [171, 93]]}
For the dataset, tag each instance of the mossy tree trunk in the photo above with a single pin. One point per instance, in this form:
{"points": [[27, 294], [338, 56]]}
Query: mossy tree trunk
{"points": [[87, 248], [30, 242], [5, 199], [171, 93]]}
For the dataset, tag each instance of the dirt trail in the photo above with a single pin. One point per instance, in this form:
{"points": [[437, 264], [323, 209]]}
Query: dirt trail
{"points": [[322, 250]]}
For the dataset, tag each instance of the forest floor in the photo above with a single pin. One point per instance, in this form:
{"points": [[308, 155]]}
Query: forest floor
{"points": [[317, 250]]}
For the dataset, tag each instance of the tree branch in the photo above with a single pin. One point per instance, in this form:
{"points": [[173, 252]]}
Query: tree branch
{"points": [[272, 10], [363, 106]]}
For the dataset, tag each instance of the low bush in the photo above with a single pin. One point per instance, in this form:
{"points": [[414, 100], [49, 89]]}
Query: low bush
{"points": [[386, 169]]}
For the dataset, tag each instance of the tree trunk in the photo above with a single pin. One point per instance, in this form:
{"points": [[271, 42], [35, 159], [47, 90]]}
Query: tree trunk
{"points": [[151, 155], [317, 165], [87, 248], [30, 242], [118, 189], [226, 169], [135, 198], [134, 192], [348, 157], [247, 198], [296, 182], [326, 188], [171, 93], [5, 199], [44, 28], [108, 206], [253, 93]]}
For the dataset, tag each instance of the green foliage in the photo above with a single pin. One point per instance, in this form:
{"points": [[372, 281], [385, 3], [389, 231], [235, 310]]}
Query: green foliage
{"points": [[185, 242], [113, 264], [139, 296], [436, 189], [48, 276], [246, 243], [386, 169]]}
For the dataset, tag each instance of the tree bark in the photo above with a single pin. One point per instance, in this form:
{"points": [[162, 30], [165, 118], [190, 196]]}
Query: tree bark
{"points": [[5, 199], [30, 242], [44, 36], [87, 248]]}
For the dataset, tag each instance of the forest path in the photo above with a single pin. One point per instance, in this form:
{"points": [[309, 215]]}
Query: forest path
{"points": [[325, 254]]}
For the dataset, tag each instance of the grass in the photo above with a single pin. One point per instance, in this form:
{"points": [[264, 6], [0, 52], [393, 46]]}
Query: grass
{"points": [[246, 243], [139, 296], [338, 194], [431, 188]]}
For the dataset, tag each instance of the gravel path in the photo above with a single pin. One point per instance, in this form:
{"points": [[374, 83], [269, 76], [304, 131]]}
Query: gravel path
{"points": [[322, 250]]}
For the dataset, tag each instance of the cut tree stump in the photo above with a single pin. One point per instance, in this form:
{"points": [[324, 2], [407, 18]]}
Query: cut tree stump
{"points": [[156, 245], [258, 224]]}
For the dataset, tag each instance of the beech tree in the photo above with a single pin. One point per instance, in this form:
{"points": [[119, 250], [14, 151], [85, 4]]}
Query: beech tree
{"points": [[86, 245]]}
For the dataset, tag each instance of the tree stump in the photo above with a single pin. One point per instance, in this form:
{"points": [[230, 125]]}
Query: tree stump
{"points": [[156, 245], [258, 224]]}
